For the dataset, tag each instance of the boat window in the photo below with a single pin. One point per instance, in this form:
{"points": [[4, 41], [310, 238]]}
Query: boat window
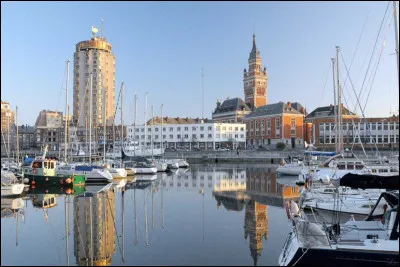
{"points": [[37, 164], [52, 165], [341, 166], [359, 167], [350, 166]]}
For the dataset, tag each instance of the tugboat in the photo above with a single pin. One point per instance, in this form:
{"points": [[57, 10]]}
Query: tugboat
{"points": [[42, 172]]}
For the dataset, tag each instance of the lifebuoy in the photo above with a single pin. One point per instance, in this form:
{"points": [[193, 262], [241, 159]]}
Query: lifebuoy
{"points": [[287, 210], [34, 171]]}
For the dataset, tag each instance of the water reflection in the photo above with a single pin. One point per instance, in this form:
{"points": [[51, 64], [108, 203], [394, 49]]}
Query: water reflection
{"points": [[253, 188], [94, 231], [101, 225], [255, 227]]}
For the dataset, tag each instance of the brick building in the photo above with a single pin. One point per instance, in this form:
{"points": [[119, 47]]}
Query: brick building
{"points": [[279, 122], [370, 132]]}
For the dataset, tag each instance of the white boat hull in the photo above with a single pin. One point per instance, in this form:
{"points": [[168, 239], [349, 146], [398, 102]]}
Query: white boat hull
{"points": [[118, 173], [291, 170], [146, 178], [12, 203], [12, 190], [140, 170]]}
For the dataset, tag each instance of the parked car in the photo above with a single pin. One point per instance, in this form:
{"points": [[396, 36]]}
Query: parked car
{"points": [[195, 149], [170, 149], [261, 148], [223, 149]]}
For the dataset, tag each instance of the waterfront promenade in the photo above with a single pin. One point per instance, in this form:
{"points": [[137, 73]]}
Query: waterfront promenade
{"points": [[272, 156]]}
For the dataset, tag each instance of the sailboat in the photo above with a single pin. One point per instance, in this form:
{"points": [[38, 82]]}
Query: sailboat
{"points": [[9, 185]]}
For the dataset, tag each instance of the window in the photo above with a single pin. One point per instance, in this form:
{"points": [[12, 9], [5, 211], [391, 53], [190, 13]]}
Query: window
{"points": [[242, 128], [178, 136], [186, 128], [164, 136], [209, 135], [209, 128], [156, 129], [223, 128], [186, 136], [217, 128], [178, 129], [201, 128], [171, 129], [194, 136], [171, 136], [218, 136], [156, 136], [277, 122], [201, 135]]}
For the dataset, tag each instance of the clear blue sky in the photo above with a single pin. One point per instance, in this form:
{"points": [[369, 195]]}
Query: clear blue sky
{"points": [[160, 47]]}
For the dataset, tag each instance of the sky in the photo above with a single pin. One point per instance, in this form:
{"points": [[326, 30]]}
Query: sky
{"points": [[162, 47]]}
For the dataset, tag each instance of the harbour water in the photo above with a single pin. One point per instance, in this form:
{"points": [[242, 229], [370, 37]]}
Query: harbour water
{"points": [[207, 215]]}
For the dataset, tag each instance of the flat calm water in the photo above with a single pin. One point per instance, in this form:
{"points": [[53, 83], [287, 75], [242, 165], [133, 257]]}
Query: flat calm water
{"points": [[206, 215]]}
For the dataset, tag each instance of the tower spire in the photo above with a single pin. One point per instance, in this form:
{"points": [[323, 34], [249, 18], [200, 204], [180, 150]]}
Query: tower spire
{"points": [[254, 51]]}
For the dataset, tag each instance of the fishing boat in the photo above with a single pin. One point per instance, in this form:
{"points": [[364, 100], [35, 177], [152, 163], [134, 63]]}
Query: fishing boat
{"points": [[43, 172]]}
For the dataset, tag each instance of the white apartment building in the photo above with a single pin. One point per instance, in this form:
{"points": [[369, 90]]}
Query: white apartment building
{"points": [[205, 136]]}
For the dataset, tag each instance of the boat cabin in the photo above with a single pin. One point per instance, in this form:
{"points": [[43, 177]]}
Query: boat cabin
{"points": [[45, 167]]}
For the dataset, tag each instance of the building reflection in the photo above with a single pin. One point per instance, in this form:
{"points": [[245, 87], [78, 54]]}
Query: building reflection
{"points": [[253, 189], [94, 232], [262, 185], [255, 227], [217, 178]]}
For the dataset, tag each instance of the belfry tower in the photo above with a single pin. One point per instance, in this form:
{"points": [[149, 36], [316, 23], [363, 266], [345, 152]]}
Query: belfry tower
{"points": [[255, 80]]}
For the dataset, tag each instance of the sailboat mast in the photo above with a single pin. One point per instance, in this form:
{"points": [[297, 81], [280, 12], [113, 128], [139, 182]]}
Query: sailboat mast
{"points": [[396, 32], [136, 226], [90, 118], [334, 104], [162, 204], [339, 89], [152, 131], [122, 118], [16, 123], [152, 208], [123, 250], [134, 116], [66, 113], [145, 123], [134, 123], [145, 211], [104, 123], [162, 136]]}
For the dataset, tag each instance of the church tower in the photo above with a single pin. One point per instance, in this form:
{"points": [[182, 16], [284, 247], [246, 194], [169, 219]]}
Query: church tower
{"points": [[255, 80]]}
